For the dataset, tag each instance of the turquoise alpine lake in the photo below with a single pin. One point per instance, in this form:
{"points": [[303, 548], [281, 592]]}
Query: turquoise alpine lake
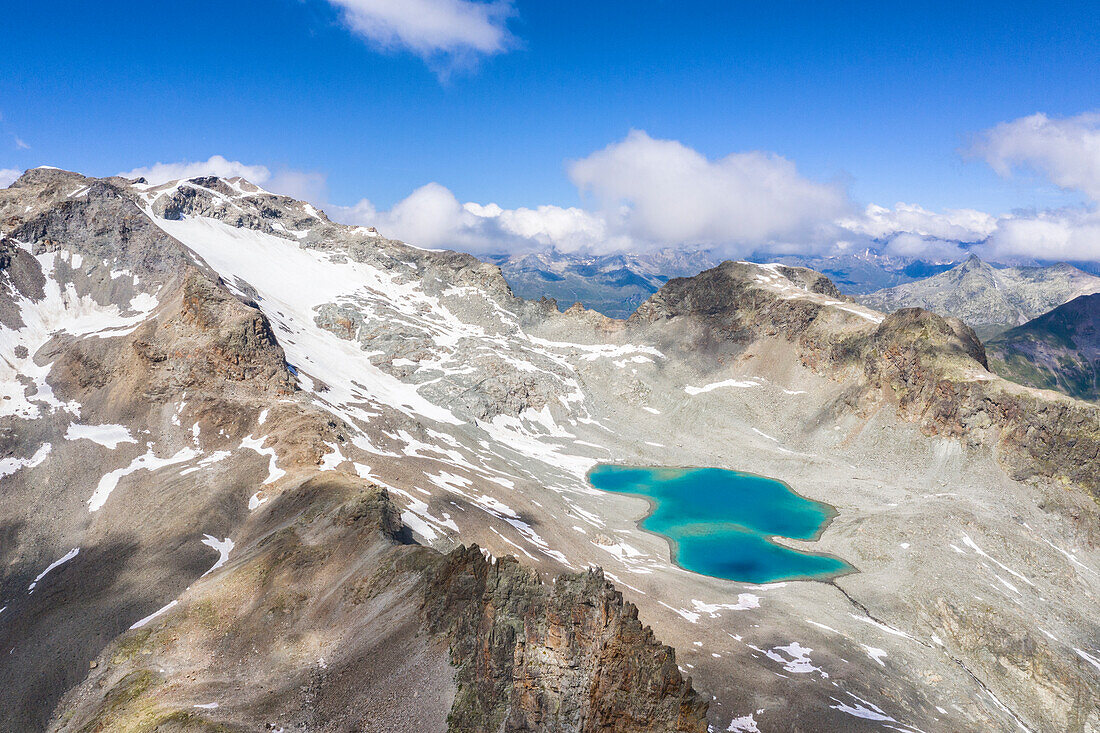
{"points": [[720, 522]]}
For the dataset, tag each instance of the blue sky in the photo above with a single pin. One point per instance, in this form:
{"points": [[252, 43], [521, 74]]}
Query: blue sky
{"points": [[881, 100]]}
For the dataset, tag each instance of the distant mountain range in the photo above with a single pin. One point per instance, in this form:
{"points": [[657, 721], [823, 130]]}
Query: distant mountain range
{"points": [[614, 285], [990, 299], [865, 272], [1058, 350]]}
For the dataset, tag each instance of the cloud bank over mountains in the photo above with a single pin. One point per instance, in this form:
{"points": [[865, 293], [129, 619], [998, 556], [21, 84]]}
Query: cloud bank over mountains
{"points": [[644, 193], [1065, 152], [647, 193], [661, 192]]}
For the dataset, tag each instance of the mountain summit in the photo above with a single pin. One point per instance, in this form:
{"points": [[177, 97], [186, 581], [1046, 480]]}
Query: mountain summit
{"points": [[990, 299]]}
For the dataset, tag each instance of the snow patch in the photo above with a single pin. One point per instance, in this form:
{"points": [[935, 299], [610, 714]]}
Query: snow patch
{"points": [[109, 436], [52, 566], [154, 614], [223, 548], [738, 383], [148, 462], [8, 466]]}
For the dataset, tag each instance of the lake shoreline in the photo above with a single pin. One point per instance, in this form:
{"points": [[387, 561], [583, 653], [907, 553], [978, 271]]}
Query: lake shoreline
{"points": [[654, 506]]}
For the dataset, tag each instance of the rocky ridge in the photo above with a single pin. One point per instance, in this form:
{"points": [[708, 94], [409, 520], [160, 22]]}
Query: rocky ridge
{"points": [[934, 369]]}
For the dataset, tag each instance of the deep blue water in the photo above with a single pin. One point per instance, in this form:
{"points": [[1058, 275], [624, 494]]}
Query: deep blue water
{"points": [[720, 522]]}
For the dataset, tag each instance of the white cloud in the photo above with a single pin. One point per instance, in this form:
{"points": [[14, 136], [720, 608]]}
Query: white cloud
{"points": [[298, 184], [911, 231], [1066, 150], [362, 213], [926, 248], [1069, 234], [431, 216], [878, 222], [8, 176], [431, 28], [304, 185], [664, 193], [568, 229], [216, 165], [660, 193]]}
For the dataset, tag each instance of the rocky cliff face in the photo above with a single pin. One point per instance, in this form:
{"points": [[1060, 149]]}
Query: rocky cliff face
{"points": [[991, 300], [569, 657], [1059, 350], [948, 391]]}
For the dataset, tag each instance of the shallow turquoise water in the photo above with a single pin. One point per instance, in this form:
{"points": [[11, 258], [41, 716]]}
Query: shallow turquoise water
{"points": [[720, 522]]}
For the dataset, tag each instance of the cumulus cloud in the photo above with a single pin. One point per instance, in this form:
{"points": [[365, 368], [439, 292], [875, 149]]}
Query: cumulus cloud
{"points": [[925, 248], [299, 184], [568, 229], [8, 176], [1065, 150], [304, 185], [1067, 234], [431, 216], [649, 193], [452, 29], [910, 230], [662, 192]]}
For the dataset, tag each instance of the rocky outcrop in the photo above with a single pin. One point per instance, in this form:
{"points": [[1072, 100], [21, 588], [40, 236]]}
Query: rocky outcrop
{"points": [[568, 657], [936, 372], [330, 574]]}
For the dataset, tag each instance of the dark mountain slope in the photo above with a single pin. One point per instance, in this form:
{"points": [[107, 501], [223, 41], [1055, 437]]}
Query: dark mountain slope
{"points": [[1058, 350]]}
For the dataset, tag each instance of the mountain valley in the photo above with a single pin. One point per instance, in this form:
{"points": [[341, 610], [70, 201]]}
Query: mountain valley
{"points": [[259, 470]]}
